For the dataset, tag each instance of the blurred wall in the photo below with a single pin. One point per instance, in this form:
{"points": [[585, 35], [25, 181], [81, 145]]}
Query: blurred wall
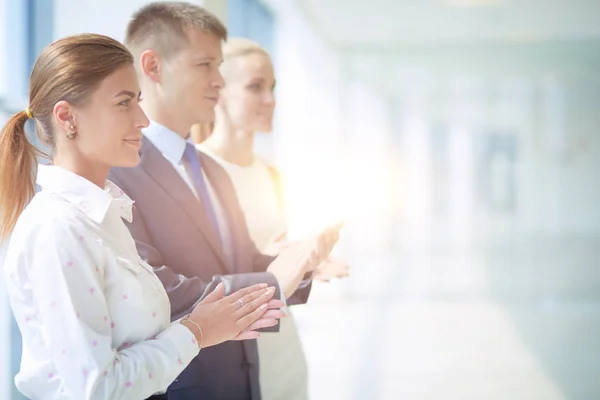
{"points": [[309, 142], [109, 17]]}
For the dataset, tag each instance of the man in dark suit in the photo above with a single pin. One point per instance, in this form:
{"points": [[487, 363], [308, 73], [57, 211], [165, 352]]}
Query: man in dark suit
{"points": [[187, 221]]}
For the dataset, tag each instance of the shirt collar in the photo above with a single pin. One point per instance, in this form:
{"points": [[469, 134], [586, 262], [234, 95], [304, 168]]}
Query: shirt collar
{"points": [[168, 142], [89, 198]]}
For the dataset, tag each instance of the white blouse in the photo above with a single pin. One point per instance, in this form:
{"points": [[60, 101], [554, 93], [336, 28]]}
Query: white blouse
{"points": [[95, 320]]}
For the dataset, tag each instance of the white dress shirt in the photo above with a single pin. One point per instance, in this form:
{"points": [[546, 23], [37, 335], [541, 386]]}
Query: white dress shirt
{"points": [[172, 146], [95, 320]]}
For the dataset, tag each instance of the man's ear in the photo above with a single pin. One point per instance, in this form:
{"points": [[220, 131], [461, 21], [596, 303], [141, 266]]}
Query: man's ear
{"points": [[151, 65]]}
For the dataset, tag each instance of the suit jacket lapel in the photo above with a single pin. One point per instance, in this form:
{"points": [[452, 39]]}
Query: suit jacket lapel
{"points": [[163, 173], [218, 179]]}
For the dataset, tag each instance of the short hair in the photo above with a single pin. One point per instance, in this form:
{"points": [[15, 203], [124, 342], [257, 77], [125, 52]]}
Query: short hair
{"points": [[163, 27]]}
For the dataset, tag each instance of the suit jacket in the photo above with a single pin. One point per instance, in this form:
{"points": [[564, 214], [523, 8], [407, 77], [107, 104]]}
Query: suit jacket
{"points": [[173, 233]]}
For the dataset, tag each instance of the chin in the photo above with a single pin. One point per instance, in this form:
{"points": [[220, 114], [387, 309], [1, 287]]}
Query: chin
{"points": [[128, 162], [264, 129], [262, 125], [206, 117]]}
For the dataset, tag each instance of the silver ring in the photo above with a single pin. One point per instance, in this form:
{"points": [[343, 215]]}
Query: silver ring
{"points": [[242, 304]]}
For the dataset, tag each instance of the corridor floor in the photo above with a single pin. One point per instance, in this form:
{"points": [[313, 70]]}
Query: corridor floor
{"points": [[500, 321]]}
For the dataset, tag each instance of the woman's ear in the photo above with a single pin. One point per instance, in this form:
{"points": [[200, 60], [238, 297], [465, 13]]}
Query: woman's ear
{"points": [[64, 116]]}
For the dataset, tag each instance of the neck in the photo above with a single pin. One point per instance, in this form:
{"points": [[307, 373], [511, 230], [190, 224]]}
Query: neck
{"points": [[168, 118], [93, 172], [233, 145]]}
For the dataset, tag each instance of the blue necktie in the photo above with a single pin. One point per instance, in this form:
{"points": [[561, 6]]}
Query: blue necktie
{"points": [[191, 155]]}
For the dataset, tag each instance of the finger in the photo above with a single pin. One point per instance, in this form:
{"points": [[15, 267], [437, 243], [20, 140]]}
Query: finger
{"points": [[339, 270], [334, 268], [274, 314], [275, 303], [284, 245], [335, 271], [322, 278], [333, 234], [278, 236], [262, 323], [249, 318], [338, 225], [331, 240], [246, 291], [313, 260], [253, 300], [215, 295], [334, 241], [323, 246], [247, 335]]}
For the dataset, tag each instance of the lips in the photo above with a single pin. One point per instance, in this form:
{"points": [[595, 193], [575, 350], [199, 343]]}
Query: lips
{"points": [[134, 142]]}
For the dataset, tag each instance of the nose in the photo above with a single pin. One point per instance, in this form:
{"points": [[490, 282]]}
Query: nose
{"points": [[270, 99], [218, 81], [141, 120]]}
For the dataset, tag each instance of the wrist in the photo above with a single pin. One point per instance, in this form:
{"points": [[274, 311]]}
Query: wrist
{"points": [[195, 328]]}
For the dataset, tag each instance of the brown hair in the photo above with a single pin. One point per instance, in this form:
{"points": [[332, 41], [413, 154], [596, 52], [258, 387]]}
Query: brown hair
{"points": [[69, 69], [162, 27]]}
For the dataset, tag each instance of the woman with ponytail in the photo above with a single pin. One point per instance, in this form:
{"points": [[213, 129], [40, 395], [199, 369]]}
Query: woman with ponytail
{"points": [[94, 318]]}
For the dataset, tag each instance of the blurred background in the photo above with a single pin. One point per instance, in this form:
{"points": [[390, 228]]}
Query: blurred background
{"points": [[460, 142]]}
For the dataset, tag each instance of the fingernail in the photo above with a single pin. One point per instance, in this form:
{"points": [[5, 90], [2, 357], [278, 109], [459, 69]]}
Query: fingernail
{"points": [[263, 285], [262, 307]]}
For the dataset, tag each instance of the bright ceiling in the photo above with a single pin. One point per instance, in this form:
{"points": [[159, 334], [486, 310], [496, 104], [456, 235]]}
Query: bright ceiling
{"points": [[385, 24], [381, 38]]}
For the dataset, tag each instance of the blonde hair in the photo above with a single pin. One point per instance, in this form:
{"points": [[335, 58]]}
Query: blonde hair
{"points": [[162, 26], [236, 48]]}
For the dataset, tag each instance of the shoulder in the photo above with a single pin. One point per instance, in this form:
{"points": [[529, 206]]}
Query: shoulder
{"points": [[271, 168], [125, 176], [213, 166], [260, 160], [48, 232], [49, 219], [207, 156]]}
